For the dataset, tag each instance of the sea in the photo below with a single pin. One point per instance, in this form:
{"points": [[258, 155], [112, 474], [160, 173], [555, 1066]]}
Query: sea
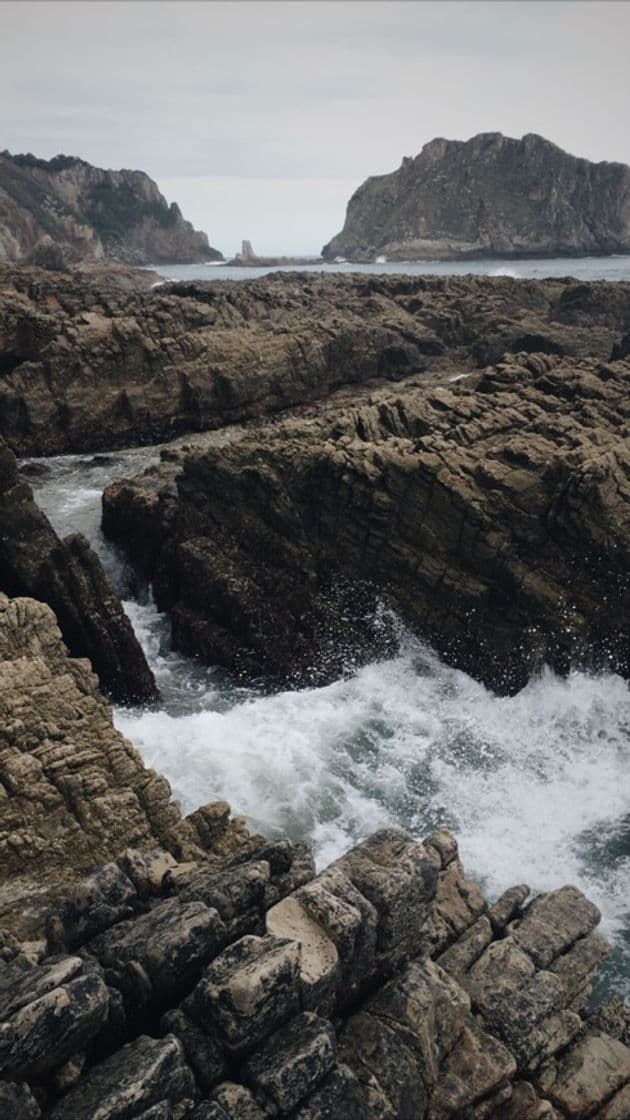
{"points": [[536, 786]]}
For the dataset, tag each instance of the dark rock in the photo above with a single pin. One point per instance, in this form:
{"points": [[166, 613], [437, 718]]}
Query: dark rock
{"points": [[491, 514], [340, 1095], [248, 991], [169, 946], [292, 1062], [237, 1103], [488, 196], [202, 1047], [17, 1102], [45, 1032], [68, 575], [147, 1072]]}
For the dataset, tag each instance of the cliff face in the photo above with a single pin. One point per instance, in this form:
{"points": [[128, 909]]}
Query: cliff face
{"points": [[491, 195], [64, 210]]}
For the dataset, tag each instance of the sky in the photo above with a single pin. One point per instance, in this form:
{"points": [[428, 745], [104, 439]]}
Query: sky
{"points": [[261, 118]]}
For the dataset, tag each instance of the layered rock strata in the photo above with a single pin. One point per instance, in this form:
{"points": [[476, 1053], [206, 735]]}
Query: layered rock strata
{"points": [[68, 575], [85, 366], [492, 513], [491, 195], [385, 988], [73, 792]]}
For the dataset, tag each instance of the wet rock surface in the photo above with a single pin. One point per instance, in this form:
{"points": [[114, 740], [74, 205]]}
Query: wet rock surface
{"points": [[68, 575], [136, 1023], [85, 366], [491, 513]]}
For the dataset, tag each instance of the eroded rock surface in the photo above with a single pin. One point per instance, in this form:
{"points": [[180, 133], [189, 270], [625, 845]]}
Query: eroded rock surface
{"points": [[86, 366], [135, 1023], [491, 513], [74, 792]]}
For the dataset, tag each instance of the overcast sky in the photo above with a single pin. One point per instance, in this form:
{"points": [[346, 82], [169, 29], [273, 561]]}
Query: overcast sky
{"points": [[261, 118]]}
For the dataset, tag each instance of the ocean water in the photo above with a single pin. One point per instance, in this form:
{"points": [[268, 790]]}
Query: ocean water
{"points": [[582, 268], [535, 786]]}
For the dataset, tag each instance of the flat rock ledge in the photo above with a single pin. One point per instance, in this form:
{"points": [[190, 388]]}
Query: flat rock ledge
{"points": [[384, 987]]}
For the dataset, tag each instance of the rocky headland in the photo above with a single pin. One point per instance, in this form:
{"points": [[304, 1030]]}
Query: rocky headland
{"points": [[160, 967], [60, 211], [85, 365], [204, 974], [488, 196]]}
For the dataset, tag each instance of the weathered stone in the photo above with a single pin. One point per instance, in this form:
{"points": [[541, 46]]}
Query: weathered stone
{"points": [[43, 1033], [146, 870], [445, 845], [146, 1072], [292, 1062], [502, 967], [320, 974], [350, 921], [468, 948], [515, 1014], [171, 944], [477, 1067], [618, 1108], [96, 903], [208, 1110], [248, 991], [553, 922], [379, 1058], [398, 877], [458, 903], [238, 894], [507, 907], [237, 1103], [427, 1010], [340, 1095], [525, 1104], [576, 967], [202, 1047], [588, 1074], [17, 1102]]}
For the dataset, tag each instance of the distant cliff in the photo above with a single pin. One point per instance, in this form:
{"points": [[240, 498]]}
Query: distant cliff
{"points": [[491, 195], [60, 211]]}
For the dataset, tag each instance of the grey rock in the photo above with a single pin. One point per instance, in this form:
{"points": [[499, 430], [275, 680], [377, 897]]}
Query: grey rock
{"points": [[507, 907], [381, 1061]]}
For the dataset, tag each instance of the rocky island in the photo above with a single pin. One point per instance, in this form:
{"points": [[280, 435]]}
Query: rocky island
{"points": [[456, 447], [60, 211], [488, 196]]}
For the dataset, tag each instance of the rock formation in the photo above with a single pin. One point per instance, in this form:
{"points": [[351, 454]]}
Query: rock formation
{"points": [[385, 988], [73, 792], [68, 575], [59, 211], [492, 513], [488, 196], [85, 366]]}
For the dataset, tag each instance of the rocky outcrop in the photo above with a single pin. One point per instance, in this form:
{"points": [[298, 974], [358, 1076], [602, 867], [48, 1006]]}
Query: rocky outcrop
{"points": [[492, 513], [73, 792], [384, 988], [68, 575], [85, 366], [60, 211], [488, 196]]}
